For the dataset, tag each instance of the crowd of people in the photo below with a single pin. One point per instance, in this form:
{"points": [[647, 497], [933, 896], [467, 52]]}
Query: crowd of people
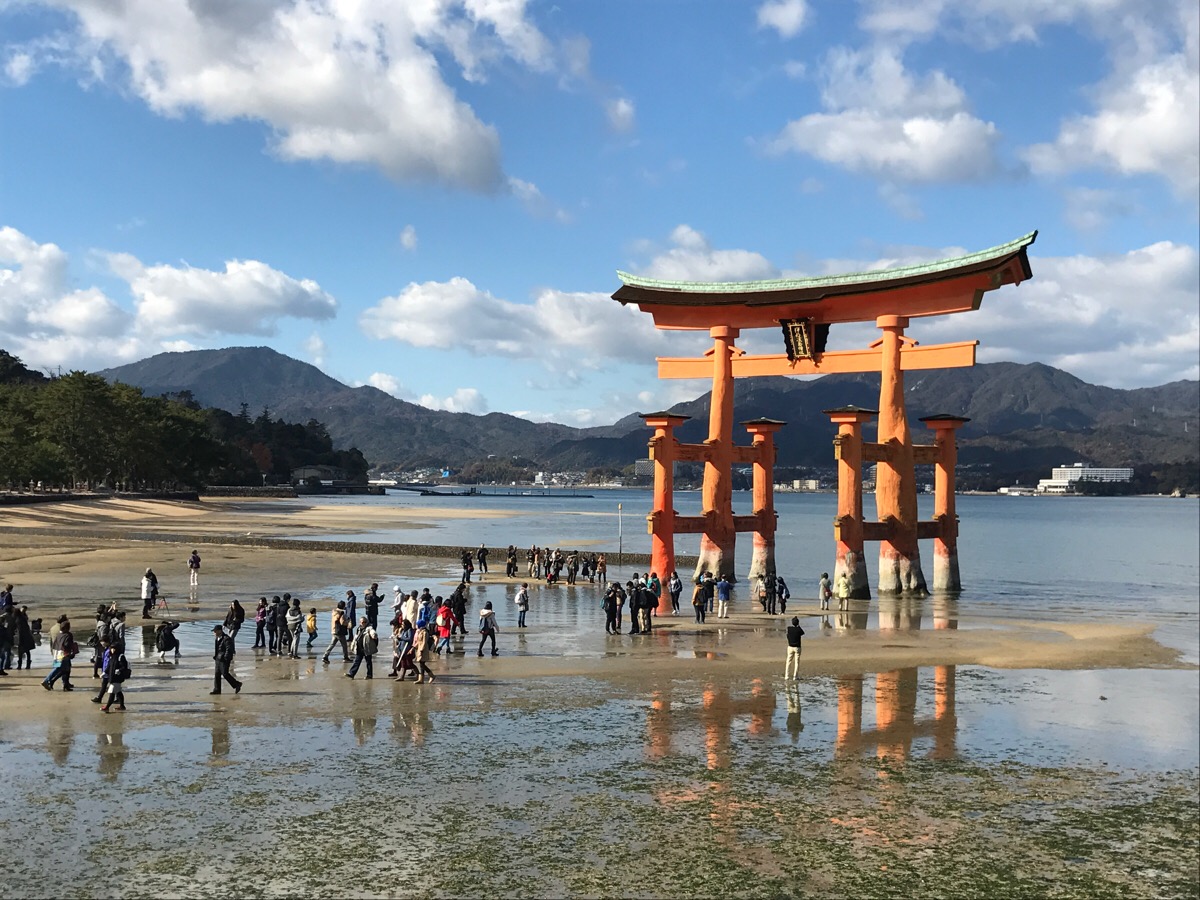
{"points": [[421, 625]]}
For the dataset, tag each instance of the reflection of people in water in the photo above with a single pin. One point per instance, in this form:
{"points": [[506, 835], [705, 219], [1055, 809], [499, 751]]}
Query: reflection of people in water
{"points": [[220, 738], [364, 728], [794, 723], [112, 754], [60, 736]]}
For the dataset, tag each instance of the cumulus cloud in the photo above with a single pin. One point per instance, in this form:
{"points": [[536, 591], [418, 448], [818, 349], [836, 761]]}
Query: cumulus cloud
{"points": [[1124, 320], [882, 120], [389, 384], [317, 349], [785, 16], [463, 400], [248, 297], [692, 258], [348, 82]]}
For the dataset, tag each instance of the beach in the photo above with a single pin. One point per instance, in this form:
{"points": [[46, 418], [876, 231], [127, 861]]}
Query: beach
{"points": [[671, 764]]}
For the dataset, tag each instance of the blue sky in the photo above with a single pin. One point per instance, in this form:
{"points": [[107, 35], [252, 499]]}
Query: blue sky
{"points": [[433, 196]]}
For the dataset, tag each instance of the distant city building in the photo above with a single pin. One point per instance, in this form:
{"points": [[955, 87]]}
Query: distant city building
{"points": [[643, 468], [1063, 479], [805, 484]]}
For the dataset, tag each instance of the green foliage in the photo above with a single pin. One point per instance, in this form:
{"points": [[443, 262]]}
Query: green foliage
{"points": [[78, 430], [495, 471]]}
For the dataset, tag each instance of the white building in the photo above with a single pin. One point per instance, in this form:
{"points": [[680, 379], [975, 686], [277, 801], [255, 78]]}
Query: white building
{"points": [[1063, 478]]}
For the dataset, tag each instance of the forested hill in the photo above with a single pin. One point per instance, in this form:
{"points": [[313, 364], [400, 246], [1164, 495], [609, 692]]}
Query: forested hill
{"points": [[1023, 417]]}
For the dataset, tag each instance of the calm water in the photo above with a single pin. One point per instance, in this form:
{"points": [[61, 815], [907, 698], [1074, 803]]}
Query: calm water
{"points": [[1038, 557]]}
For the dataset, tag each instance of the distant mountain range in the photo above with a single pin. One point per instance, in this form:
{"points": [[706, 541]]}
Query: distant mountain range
{"points": [[1023, 417]]}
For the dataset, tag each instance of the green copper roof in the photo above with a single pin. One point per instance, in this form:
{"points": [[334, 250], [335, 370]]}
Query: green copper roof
{"points": [[922, 271]]}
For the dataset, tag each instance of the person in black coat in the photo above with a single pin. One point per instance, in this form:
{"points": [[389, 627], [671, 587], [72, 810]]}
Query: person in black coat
{"points": [[223, 651]]}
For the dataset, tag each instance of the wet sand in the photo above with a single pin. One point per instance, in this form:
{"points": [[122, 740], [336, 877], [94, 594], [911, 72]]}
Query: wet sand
{"points": [[674, 764]]}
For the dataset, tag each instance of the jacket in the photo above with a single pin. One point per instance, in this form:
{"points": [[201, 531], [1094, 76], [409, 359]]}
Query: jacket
{"points": [[223, 648]]}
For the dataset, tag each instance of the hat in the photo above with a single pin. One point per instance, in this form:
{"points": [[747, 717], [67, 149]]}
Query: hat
{"points": [[396, 588], [217, 629]]}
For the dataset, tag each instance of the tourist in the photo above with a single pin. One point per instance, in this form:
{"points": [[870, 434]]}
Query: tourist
{"points": [[406, 651], [63, 649], [674, 588], [409, 610], [260, 624], [310, 625], [273, 625], [843, 591], [444, 623], [723, 590], [371, 602], [510, 562], [193, 565], [223, 651], [458, 610], [710, 590], [233, 619], [482, 555], [649, 606], [149, 593], [522, 601], [825, 591], [365, 647], [7, 639], [24, 640], [782, 593], [602, 569], [295, 626], [426, 612], [656, 588], [351, 612], [116, 673], [699, 603], [791, 667], [337, 630], [102, 654], [116, 627], [634, 593], [284, 626], [398, 598], [531, 562], [165, 640], [467, 566], [99, 637], [621, 597], [421, 648], [761, 592], [609, 604], [487, 628]]}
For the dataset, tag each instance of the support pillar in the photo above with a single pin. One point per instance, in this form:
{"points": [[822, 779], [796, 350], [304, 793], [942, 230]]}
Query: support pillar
{"points": [[945, 545], [718, 539], [762, 431], [660, 522], [848, 526], [895, 479]]}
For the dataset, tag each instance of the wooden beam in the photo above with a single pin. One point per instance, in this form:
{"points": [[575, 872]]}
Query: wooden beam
{"points": [[912, 358]]}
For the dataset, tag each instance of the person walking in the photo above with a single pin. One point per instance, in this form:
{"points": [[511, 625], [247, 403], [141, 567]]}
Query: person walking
{"points": [[223, 651], [487, 628], [782, 594], [723, 589], [102, 653], [422, 642], [444, 624], [674, 588], [24, 639], [64, 649], [149, 593], [337, 628], [193, 565], [371, 601], [609, 604], [522, 601], [482, 556], [458, 610], [791, 667], [602, 570], [366, 645], [699, 604], [351, 612], [116, 673], [825, 591], [310, 624]]}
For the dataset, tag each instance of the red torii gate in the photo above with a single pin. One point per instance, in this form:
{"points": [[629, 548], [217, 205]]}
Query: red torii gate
{"points": [[805, 309]]}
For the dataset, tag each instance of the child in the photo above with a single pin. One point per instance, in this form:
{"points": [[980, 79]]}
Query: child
{"points": [[310, 623], [116, 670]]}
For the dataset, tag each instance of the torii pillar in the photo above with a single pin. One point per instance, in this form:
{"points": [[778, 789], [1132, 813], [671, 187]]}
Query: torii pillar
{"points": [[945, 543], [848, 526], [664, 450], [895, 476], [718, 538], [763, 451]]}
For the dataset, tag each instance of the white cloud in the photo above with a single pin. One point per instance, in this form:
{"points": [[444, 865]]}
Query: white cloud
{"points": [[350, 82], [535, 202], [1124, 320], [621, 114], [463, 400], [19, 68], [785, 16], [883, 121], [317, 349], [693, 259], [248, 297], [1147, 122], [408, 238], [389, 384]]}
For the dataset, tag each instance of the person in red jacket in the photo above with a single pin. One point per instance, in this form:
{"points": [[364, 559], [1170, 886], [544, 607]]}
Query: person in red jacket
{"points": [[444, 622]]}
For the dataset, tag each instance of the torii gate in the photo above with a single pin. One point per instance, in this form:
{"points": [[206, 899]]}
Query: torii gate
{"points": [[805, 309]]}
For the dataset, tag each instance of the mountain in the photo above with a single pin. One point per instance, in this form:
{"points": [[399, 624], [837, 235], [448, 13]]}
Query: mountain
{"points": [[1023, 417]]}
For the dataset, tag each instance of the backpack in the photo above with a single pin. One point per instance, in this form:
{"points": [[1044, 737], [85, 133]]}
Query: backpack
{"points": [[163, 640], [122, 668], [370, 643]]}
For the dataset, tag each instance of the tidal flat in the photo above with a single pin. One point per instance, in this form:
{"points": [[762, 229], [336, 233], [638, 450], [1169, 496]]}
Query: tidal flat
{"points": [[926, 782]]}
